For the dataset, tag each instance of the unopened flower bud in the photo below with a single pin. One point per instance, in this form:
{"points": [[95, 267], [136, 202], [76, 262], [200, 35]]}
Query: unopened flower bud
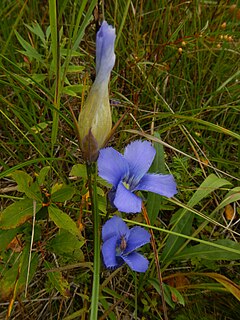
{"points": [[95, 119]]}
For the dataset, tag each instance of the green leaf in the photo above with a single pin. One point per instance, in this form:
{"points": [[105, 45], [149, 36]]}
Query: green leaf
{"points": [[17, 213], [73, 90], [63, 194], [67, 244], [79, 170], [183, 218], [6, 237], [57, 281], [13, 281], [62, 220], [29, 50], [154, 200], [42, 175], [26, 185], [36, 29], [204, 251]]}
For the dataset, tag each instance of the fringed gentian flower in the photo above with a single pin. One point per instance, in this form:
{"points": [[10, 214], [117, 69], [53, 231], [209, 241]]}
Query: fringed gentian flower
{"points": [[95, 120], [128, 173], [120, 245]]}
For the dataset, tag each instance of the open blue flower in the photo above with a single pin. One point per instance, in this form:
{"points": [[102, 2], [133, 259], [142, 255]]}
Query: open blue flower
{"points": [[120, 245], [128, 173]]}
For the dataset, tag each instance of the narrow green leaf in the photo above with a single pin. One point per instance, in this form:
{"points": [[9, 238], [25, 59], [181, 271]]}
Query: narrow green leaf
{"points": [[29, 50], [183, 218], [154, 201], [57, 281], [204, 251]]}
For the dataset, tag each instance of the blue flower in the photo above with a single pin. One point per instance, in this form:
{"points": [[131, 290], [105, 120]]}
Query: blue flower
{"points": [[128, 173], [120, 245]]}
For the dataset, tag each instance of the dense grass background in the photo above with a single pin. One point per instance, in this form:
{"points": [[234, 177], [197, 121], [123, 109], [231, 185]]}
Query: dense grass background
{"points": [[177, 78]]}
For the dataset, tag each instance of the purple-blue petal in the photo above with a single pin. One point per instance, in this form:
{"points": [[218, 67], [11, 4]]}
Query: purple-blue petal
{"points": [[109, 252], [126, 201], [136, 261], [112, 166], [163, 184], [114, 227], [140, 155], [137, 238], [105, 57]]}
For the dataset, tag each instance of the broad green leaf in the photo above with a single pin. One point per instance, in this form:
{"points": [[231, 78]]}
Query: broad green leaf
{"points": [[17, 213], [42, 175], [66, 244], [6, 237], [57, 281], [63, 194], [13, 280], [63, 220], [154, 200], [26, 185], [204, 251], [79, 170], [73, 90], [75, 69], [183, 218], [38, 128]]}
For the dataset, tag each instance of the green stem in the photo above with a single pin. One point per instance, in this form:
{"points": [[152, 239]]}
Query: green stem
{"points": [[92, 173]]}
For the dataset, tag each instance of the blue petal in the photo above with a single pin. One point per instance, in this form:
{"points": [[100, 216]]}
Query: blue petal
{"points": [[126, 201], [105, 57], [140, 155], [164, 185], [136, 261], [112, 166], [136, 239], [109, 252], [114, 227]]}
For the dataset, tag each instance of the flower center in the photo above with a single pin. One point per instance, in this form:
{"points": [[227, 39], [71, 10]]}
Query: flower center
{"points": [[126, 185]]}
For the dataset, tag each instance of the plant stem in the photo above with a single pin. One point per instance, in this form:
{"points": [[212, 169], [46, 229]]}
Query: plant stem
{"points": [[92, 184]]}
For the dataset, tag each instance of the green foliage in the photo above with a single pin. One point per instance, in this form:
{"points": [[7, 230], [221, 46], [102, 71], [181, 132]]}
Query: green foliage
{"points": [[176, 76]]}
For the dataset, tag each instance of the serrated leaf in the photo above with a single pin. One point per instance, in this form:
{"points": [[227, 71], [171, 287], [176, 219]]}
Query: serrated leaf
{"points": [[63, 220], [63, 194], [79, 170], [17, 213]]}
